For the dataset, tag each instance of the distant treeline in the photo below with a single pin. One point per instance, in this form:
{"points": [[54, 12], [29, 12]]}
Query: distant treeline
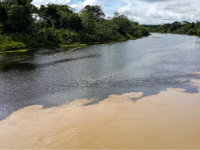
{"points": [[24, 25], [177, 27]]}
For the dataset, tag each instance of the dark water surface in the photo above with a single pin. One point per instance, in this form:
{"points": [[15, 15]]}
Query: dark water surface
{"points": [[147, 65]]}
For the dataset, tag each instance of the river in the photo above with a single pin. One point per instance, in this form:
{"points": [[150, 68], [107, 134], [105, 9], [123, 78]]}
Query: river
{"points": [[149, 65]]}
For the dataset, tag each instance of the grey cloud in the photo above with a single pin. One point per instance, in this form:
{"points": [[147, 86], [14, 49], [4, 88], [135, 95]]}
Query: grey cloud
{"points": [[163, 11]]}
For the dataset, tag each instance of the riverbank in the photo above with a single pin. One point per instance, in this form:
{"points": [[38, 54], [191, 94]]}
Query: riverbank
{"points": [[10, 46], [63, 26], [167, 120], [15, 52]]}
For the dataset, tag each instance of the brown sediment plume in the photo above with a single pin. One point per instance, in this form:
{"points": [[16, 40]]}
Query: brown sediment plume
{"points": [[170, 119]]}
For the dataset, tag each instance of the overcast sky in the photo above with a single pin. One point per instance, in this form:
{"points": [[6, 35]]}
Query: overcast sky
{"points": [[142, 11]]}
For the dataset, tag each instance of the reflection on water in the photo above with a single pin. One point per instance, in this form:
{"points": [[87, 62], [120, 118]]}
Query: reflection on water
{"points": [[146, 65], [30, 66]]}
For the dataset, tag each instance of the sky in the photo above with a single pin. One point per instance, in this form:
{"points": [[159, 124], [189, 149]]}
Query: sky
{"points": [[142, 11]]}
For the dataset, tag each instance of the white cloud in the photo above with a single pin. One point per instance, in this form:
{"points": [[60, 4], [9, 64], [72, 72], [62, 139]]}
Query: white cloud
{"points": [[81, 4], [45, 2], [142, 11], [90, 2], [157, 11]]}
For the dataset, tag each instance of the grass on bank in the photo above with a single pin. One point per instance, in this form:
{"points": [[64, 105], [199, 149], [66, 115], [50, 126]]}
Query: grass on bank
{"points": [[74, 45], [7, 45], [11, 45]]}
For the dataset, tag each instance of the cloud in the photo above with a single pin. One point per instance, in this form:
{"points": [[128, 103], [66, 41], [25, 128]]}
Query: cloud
{"points": [[158, 12], [152, 1], [45, 2], [142, 11], [81, 4]]}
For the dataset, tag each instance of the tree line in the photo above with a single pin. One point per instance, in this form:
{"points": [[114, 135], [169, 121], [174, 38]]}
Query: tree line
{"points": [[184, 27], [25, 25]]}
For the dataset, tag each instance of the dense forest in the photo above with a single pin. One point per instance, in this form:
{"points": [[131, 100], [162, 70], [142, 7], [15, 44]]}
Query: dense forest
{"points": [[177, 27], [24, 26]]}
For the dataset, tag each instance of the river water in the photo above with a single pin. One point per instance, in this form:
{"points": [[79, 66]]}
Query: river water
{"points": [[149, 65]]}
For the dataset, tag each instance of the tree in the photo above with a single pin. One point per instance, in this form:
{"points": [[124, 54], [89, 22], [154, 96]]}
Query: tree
{"points": [[19, 15], [174, 26], [3, 16], [71, 21], [56, 25], [107, 31], [3, 13], [95, 12], [116, 14], [184, 27], [62, 16], [123, 24], [91, 16]]}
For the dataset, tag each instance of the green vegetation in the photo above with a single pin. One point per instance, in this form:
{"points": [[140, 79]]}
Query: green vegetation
{"points": [[8, 45], [73, 45], [177, 27], [23, 26]]}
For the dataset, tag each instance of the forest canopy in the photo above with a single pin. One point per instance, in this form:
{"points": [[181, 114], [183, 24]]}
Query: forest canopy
{"points": [[184, 27], [54, 25]]}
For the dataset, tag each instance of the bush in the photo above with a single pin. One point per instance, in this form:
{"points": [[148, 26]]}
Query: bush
{"points": [[68, 36], [6, 44], [11, 46]]}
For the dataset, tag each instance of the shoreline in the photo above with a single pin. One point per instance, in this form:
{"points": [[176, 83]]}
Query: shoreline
{"points": [[29, 53], [67, 47]]}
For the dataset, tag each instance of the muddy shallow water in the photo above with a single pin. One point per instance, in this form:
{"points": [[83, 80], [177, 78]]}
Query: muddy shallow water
{"points": [[168, 120]]}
